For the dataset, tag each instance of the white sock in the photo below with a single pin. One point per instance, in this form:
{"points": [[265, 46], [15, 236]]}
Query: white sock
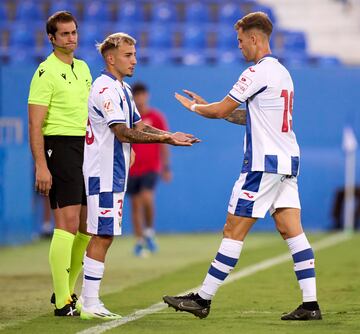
{"points": [[93, 273], [224, 262], [304, 266], [149, 232]]}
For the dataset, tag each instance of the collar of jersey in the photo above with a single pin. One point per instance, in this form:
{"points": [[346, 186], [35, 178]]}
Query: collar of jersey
{"points": [[109, 74], [56, 59], [267, 56]]}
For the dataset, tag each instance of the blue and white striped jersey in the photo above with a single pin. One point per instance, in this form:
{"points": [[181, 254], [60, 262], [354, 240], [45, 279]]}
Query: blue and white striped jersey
{"points": [[106, 159], [270, 143]]}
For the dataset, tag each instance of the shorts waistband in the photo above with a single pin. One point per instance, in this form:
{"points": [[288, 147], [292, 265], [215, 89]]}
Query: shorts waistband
{"points": [[66, 138]]}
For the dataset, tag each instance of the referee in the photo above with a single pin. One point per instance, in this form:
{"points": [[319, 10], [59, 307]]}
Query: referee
{"points": [[57, 119]]}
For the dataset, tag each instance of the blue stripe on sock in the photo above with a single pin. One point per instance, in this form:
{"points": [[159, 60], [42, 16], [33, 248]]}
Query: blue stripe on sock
{"points": [[306, 273], [306, 254], [90, 278], [229, 261], [217, 273]]}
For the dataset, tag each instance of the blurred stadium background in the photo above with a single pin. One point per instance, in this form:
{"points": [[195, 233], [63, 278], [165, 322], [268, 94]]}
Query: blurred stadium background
{"points": [[191, 44]]}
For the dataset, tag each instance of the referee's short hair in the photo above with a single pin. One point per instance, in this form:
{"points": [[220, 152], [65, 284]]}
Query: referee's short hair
{"points": [[113, 41], [62, 16]]}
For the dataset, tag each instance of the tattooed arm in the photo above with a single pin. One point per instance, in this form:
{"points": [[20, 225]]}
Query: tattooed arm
{"points": [[141, 126], [238, 116], [126, 135]]}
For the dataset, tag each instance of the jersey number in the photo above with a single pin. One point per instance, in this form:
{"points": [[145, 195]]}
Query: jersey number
{"points": [[288, 109]]}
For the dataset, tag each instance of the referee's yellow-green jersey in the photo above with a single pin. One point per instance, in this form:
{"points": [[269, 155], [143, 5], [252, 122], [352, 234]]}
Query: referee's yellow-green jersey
{"points": [[64, 89]]}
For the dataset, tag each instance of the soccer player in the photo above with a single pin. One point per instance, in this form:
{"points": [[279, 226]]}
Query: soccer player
{"points": [[57, 122], [268, 179], [152, 162], [114, 123]]}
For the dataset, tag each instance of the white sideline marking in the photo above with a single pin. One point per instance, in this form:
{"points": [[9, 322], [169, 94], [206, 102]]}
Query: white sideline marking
{"points": [[247, 271]]}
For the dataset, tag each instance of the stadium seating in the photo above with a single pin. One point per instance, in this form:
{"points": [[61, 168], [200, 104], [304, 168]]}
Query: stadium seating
{"points": [[177, 29], [56, 6], [230, 12], [97, 11], [163, 12], [3, 12], [197, 12], [29, 10], [130, 12]]}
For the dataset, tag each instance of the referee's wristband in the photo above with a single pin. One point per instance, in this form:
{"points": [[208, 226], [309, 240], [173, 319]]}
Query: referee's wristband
{"points": [[193, 106]]}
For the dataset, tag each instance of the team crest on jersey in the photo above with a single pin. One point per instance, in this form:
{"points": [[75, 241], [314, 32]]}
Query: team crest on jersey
{"points": [[243, 83], [108, 106]]}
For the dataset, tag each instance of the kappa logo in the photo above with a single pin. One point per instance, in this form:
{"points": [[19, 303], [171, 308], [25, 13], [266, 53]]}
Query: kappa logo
{"points": [[105, 212], [64, 76], [103, 90], [41, 72], [248, 195], [49, 152]]}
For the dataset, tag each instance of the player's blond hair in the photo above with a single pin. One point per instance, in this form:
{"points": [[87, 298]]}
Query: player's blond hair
{"points": [[113, 41], [256, 20]]}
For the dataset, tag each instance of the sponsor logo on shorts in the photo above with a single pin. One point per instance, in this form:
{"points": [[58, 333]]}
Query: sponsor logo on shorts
{"points": [[248, 195], [105, 212]]}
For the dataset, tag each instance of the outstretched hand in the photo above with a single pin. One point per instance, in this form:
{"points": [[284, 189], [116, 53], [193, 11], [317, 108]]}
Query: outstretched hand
{"points": [[179, 139], [196, 98], [186, 137], [187, 103]]}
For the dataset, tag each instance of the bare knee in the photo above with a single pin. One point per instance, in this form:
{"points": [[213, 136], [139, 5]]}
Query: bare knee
{"points": [[288, 222], [99, 246], [236, 227], [68, 218], [281, 229]]}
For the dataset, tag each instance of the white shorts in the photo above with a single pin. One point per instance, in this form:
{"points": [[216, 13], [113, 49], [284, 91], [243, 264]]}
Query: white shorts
{"points": [[255, 193], [104, 213]]}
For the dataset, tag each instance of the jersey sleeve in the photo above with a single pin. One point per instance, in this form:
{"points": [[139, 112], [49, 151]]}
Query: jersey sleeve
{"points": [[41, 87], [109, 106], [251, 82], [136, 115]]}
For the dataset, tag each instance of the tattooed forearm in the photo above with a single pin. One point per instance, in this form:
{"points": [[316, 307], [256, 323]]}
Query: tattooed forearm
{"points": [[126, 135], [150, 129], [238, 116]]}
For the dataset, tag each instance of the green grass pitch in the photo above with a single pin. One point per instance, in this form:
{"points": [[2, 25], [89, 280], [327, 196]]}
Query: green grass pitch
{"points": [[249, 305]]}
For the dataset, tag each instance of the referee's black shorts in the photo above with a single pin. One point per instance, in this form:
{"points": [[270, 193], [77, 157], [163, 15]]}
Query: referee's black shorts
{"points": [[65, 156]]}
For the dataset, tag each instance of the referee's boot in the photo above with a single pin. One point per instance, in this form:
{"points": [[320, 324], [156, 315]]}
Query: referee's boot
{"points": [[191, 303], [306, 311], [69, 310], [75, 301]]}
